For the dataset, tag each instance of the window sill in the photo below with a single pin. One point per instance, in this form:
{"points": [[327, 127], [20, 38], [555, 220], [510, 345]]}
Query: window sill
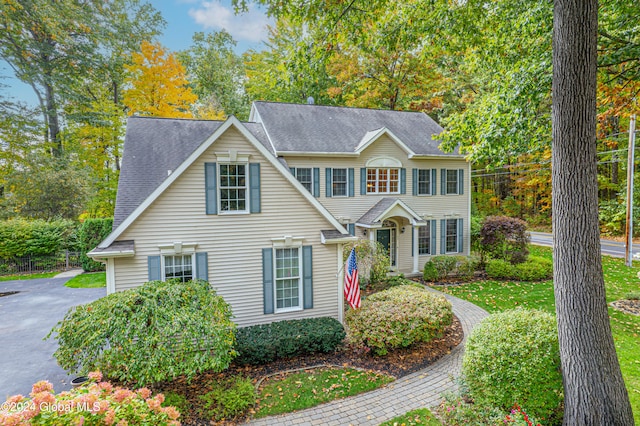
{"points": [[233, 212], [287, 310]]}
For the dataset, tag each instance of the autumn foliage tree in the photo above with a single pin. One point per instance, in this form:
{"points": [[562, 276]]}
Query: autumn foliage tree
{"points": [[159, 85]]}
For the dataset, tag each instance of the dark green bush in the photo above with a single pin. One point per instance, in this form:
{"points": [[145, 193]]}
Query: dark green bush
{"points": [[505, 238], [260, 344], [440, 267], [397, 318], [20, 237], [228, 399], [173, 399], [152, 333], [513, 357], [90, 234], [534, 269], [430, 273]]}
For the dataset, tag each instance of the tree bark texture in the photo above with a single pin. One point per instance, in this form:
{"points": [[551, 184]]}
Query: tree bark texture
{"points": [[595, 392]]}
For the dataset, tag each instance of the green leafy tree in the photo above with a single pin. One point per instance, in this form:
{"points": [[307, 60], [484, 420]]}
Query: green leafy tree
{"points": [[217, 75]]}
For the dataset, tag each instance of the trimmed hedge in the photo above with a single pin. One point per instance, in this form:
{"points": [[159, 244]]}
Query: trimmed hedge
{"points": [[397, 318], [20, 237], [90, 234], [440, 267], [260, 344], [513, 357], [534, 269]]}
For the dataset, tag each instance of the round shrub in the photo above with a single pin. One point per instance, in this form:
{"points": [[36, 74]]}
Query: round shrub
{"points": [[149, 334], [228, 399], [534, 269], [398, 317], [500, 269], [513, 357], [505, 238]]}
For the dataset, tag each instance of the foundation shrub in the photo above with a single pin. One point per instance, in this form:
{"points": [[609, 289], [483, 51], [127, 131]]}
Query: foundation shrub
{"points": [[260, 344], [149, 334], [513, 357], [397, 318]]}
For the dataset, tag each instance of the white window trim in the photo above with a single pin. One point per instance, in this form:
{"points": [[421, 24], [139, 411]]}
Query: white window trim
{"points": [[177, 248], [295, 174], [429, 187], [162, 265], [300, 307], [446, 184], [346, 187], [446, 236], [428, 228], [247, 195], [377, 181]]}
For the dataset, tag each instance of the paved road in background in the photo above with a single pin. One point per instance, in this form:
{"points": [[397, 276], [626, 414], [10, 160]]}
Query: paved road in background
{"points": [[25, 318], [610, 248]]}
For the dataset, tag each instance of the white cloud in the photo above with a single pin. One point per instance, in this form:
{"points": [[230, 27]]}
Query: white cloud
{"points": [[249, 26]]}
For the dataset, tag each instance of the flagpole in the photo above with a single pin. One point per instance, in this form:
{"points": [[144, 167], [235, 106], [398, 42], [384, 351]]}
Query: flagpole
{"points": [[340, 285]]}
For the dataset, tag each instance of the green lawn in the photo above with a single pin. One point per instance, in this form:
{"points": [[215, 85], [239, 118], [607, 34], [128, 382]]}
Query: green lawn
{"points": [[495, 296], [88, 280], [28, 277], [421, 416], [291, 392]]}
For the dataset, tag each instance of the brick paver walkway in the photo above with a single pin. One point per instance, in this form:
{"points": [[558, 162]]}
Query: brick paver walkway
{"points": [[423, 388]]}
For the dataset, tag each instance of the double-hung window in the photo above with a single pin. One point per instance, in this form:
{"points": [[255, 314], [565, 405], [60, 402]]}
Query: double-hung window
{"points": [[383, 181], [424, 182], [424, 240], [305, 177], [288, 280], [339, 182], [452, 182], [233, 187], [179, 266], [451, 236]]}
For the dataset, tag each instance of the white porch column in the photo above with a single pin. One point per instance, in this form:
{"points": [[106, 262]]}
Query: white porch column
{"points": [[111, 276], [416, 255], [340, 286], [372, 234]]}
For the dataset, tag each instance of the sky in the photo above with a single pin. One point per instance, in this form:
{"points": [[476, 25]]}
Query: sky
{"points": [[184, 18]]}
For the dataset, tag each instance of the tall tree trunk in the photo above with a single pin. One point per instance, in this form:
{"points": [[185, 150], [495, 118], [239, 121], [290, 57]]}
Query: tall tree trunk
{"points": [[52, 120], [595, 393]]}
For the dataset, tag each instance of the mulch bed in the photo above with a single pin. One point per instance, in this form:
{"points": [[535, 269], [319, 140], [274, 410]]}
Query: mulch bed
{"points": [[398, 363], [627, 306]]}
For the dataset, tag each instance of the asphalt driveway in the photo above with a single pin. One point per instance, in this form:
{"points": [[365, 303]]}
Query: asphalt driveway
{"points": [[25, 318]]}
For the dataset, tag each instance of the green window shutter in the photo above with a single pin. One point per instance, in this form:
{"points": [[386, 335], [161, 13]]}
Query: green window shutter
{"points": [[351, 227], [443, 181], [211, 190], [351, 183], [328, 189], [267, 280], [460, 232], [154, 268], [293, 170], [434, 187], [307, 277], [363, 181], [460, 181], [202, 266], [254, 187], [434, 237], [443, 236], [316, 182], [403, 181], [414, 180]]}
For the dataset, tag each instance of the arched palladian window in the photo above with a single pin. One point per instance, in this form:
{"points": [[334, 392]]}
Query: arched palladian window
{"points": [[383, 175]]}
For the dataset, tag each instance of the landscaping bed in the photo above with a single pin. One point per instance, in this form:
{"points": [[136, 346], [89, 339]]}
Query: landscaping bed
{"points": [[397, 363]]}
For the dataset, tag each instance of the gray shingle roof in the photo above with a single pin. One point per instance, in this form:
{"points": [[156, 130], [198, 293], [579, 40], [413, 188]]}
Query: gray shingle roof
{"points": [[117, 246], [317, 128], [152, 147]]}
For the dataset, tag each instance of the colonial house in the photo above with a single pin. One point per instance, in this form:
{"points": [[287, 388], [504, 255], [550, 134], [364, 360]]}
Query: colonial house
{"points": [[262, 209]]}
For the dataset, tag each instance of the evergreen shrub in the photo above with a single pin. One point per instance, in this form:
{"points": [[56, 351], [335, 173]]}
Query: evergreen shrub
{"points": [[91, 233], [260, 344], [513, 357], [228, 399], [397, 318]]}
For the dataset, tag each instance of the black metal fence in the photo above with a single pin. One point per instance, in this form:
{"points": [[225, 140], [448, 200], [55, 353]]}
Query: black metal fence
{"points": [[33, 264]]}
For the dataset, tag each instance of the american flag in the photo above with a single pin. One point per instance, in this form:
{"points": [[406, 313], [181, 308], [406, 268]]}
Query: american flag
{"points": [[351, 286]]}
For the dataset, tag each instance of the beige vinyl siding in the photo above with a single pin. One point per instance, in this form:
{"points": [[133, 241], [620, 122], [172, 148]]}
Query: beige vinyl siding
{"points": [[234, 242], [350, 209]]}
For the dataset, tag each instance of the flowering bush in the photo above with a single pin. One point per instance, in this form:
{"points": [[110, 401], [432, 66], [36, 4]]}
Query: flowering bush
{"points": [[513, 356], [519, 417], [149, 334], [398, 317], [97, 403]]}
